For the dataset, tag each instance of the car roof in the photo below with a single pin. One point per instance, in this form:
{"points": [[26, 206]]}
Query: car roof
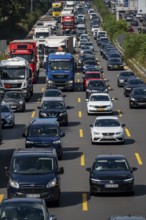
{"points": [[107, 117], [44, 121], [56, 98], [35, 151], [98, 94], [108, 156]]}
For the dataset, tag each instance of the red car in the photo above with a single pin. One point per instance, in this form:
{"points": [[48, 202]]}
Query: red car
{"points": [[91, 75]]}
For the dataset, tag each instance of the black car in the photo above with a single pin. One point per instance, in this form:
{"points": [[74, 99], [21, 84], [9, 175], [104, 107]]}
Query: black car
{"points": [[84, 58], [44, 133], [115, 64], [111, 174], [54, 108], [95, 86], [25, 208], [128, 217], [102, 39], [34, 173], [15, 99], [124, 76], [134, 23], [137, 97], [131, 84]]}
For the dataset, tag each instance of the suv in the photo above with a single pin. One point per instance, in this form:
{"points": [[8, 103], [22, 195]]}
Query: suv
{"points": [[44, 132], [34, 173]]}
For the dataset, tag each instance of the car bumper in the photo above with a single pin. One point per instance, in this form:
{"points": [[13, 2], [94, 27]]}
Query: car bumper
{"points": [[108, 139], [138, 104], [100, 110], [115, 67]]}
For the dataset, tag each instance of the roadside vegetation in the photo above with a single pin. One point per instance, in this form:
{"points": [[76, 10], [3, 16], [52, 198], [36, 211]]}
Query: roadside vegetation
{"points": [[134, 44]]}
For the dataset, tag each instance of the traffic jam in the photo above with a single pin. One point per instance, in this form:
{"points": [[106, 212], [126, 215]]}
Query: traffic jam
{"points": [[72, 121]]}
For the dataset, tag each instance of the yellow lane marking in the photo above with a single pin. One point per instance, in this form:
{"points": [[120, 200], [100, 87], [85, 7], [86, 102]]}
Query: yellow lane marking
{"points": [[79, 100], [126, 68], [78, 80], [84, 202], [1, 197], [127, 132], [33, 114], [119, 113], [78, 74], [82, 160], [81, 133], [138, 159], [43, 89], [80, 114]]}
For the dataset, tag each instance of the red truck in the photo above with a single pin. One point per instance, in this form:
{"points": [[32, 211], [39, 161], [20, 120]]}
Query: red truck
{"points": [[28, 50], [68, 22]]}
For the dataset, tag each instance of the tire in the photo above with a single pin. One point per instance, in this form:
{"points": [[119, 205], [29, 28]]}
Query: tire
{"points": [[23, 109], [130, 105], [57, 202]]}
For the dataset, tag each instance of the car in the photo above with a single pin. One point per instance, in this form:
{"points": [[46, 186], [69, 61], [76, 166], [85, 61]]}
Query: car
{"points": [[95, 27], [139, 15], [90, 75], [51, 92], [96, 86], [137, 98], [15, 100], [131, 84], [99, 34], [35, 173], [54, 108], [86, 51], [134, 23], [7, 116], [44, 133], [82, 41], [84, 48], [107, 129], [25, 208], [124, 76], [129, 217], [89, 62], [99, 103], [85, 57], [115, 64], [111, 173], [90, 45], [101, 39], [129, 18], [96, 67], [84, 36], [93, 15]]}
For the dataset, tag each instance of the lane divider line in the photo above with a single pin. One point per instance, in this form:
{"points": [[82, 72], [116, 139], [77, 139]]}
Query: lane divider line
{"points": [[43, 89], [78, 80], [78, 74], [80, 114], [119, 113], [82, 159], [79, 100], [1, 197], [84, 202], [33, 114], [127, 132], [81, 133], [138, 159]]}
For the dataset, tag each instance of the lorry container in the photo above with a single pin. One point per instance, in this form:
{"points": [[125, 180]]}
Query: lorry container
{"points": [[26, 49]]}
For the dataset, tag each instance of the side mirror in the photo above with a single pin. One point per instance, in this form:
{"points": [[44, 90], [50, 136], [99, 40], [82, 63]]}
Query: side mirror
{"points": [[133, 168], [23, 135], [91, 125], [123, 125], [39, 107], [61, 170], [88, 169], [62, 134]]}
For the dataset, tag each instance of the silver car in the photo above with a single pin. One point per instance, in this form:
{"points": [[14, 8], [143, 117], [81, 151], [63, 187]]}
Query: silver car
{"points": [[7, 116]]}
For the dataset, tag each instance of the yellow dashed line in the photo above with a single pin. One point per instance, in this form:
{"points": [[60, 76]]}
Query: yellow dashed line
{"points": [[78, 74], [84, 202], [82, 160], [80, 114], [78, 80], [81, 133], [79, 100], [1, 197], [119, 113], [127, 132], [43, 89], [33, 114], [138, 159]]}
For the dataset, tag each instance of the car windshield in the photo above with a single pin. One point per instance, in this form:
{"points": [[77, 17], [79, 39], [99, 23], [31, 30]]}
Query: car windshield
{"points": [[13, 95], [43, 131], [95, 84], [60, 65], [12, 73], [99, 98], [111, 164], [4, 108], [140, 92], [107, 123], [68, 23], [53, 105], [126, 74], [92, 75], [114, 60], [52, 93], [32, 165], [21, 210]]}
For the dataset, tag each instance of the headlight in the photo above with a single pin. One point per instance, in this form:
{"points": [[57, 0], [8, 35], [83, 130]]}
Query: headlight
{"points": [[129, 180], [118, 133], [96, 133], [3, 102], [132, 99], [29, 142], [70, 82], [51, 183], [43, 114], [95, 180], [50, 81], [121, 80], [88, 90], [14, 184], [109, 65], [20, 102], [25, 85], [63, 113], [128, 88], [9, 116], [57, 142]]}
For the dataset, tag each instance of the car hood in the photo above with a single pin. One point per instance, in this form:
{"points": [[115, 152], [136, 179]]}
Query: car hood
{"points": [[96, 88], [5, 114], [108, 129], [139, 96], [43, 139], [12, 100], [33, 179], [53, 110], [111, 175], [99, 103], [115, 63], [134, 86]]}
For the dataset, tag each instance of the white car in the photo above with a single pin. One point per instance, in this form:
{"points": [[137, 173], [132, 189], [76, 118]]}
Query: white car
{"points": [[95, 28], [100, 103], [93, 14], [107, 129]]}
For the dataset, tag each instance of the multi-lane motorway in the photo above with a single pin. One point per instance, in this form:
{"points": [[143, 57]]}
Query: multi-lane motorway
{"points": [[78, 153]]}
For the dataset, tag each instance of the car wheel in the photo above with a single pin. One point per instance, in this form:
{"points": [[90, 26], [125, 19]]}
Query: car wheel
{"points": [[131, 193], [60, 156], [130, 105], [92, 142], [57, 202], [66, 123], [23, 109]]}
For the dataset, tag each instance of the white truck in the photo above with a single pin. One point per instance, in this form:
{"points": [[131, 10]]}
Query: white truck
{"points": [[41, 32], [16, 75]]}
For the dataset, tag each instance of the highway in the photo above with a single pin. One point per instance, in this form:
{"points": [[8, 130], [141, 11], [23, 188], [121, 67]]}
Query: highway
{"points": [[79, 153]]}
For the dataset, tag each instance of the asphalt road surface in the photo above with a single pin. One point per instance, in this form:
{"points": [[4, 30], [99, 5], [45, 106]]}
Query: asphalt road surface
{"points": [[78, 153]]}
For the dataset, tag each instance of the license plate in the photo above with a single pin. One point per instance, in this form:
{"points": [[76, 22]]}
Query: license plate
{"points": [[33, 195], [108, 137], [111, 186], [100, 109], [115, 67]]}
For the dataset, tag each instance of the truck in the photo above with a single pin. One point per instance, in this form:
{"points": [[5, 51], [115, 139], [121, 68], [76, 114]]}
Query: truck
{"points": [[26, 49], [15, 74], [53, 42], [41, 32], [60, 70], [68, 22]]}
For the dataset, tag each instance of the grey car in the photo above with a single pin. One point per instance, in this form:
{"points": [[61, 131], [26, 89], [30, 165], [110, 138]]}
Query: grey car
{"points": [[15, 99], [7, 116]]}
